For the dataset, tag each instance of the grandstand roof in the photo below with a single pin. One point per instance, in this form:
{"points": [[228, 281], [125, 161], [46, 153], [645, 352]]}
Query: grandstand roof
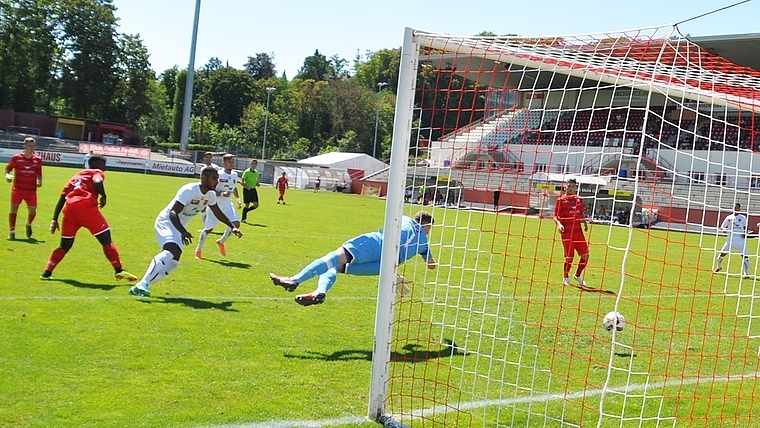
{"points": [[726, 66], [743, 49]]}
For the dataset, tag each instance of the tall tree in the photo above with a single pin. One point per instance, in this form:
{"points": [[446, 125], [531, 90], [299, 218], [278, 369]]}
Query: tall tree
{"points": [[179, 105], [380, 66], [27, 54], [315, 67], [229, 91], [169, 81], [88, 76], [132, 98], [261, 66], [213, 64]]}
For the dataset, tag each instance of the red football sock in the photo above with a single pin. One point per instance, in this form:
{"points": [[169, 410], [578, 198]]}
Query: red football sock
{"points": [[12, 221], [567, 268], [581, 266], [112, 254], [55, 257]]}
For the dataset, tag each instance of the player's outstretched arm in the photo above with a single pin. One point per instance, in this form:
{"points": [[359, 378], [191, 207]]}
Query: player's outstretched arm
{"points": [[223, 218]]}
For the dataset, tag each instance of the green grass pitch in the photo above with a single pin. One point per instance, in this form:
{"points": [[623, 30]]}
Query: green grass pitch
{"points": [[218, 344]]}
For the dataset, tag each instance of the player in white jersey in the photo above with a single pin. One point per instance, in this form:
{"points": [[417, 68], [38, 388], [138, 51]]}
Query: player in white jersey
{"points": [[226, 188], [207, 163], [171, 227], [735, 225]]}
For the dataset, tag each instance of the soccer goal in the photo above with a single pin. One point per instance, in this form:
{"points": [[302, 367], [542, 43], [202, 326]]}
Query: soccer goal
{"points": [[663, 140]]}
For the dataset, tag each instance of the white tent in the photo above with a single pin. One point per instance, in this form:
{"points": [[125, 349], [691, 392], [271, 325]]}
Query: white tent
{"points": [[353, 161], [561, 178]]}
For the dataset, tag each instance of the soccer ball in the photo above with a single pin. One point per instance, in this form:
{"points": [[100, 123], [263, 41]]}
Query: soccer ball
{"points": [[614, 320]]}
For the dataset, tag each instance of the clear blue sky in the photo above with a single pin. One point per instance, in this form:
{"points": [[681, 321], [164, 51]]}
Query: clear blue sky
{"points": [[233, 30]]}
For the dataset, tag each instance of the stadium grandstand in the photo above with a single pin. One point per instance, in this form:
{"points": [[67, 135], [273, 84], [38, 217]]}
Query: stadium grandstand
{"points": [[592, 104]]}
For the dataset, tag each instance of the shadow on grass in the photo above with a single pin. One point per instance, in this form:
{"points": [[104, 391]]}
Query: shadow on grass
{"points": [[227, 263], [412, 353], [78, 284], [192, 303], [32, 241], [254, 224]]}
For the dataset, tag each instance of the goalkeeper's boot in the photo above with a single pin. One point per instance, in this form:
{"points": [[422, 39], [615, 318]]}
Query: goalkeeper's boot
{"points": [[222, 250], [140, 290], [284, 282], [309, 299], [122, 274]]}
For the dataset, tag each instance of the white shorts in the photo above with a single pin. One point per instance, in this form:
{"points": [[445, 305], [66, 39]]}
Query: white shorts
{"points": [[738, 244], [166, 233], [228, 210]]}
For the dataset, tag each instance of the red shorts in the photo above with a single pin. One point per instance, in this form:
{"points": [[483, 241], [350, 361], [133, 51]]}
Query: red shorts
{"points": [[30, 196], [572, 246], [77, 216], [282, 191]]}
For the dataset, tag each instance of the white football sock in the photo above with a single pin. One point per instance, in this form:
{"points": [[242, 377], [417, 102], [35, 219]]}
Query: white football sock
{"points": [[158, 267], [201, 240]]}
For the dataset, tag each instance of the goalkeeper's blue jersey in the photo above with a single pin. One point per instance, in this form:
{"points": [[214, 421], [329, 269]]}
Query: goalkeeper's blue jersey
{"points": [[368, 247], [413, 241]]}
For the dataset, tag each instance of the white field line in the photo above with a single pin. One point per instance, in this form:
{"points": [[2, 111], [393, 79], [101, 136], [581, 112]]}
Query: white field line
{"points": [[543, 398], [159, 296]]}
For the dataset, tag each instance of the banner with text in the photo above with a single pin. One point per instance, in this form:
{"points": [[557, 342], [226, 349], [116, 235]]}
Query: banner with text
{"points": [[60, 159], [109, 150]]}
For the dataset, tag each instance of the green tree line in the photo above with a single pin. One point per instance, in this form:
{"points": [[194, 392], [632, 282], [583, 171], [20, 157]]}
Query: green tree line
{"points": [[67, 58]]}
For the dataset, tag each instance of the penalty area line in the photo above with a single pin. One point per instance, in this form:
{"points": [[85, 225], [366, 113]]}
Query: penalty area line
{"points": [[543, 398]]}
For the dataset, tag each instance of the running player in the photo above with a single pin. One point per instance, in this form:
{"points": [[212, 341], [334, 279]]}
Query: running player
{"points": [[225, 189], [80, 205], [26, 178], [171, 227]]}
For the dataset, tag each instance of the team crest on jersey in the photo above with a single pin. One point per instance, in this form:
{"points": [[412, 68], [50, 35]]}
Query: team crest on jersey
{"points": [[195, 202]]}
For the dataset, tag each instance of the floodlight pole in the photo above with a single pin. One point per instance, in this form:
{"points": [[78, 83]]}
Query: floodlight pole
{"points": [[377, 117], [189, 82], [266, 122]]}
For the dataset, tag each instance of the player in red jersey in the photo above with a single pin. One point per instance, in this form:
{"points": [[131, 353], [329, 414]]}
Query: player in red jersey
{"points": [[569, 213], [79, 203], [282, 184], [26, 179]]}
